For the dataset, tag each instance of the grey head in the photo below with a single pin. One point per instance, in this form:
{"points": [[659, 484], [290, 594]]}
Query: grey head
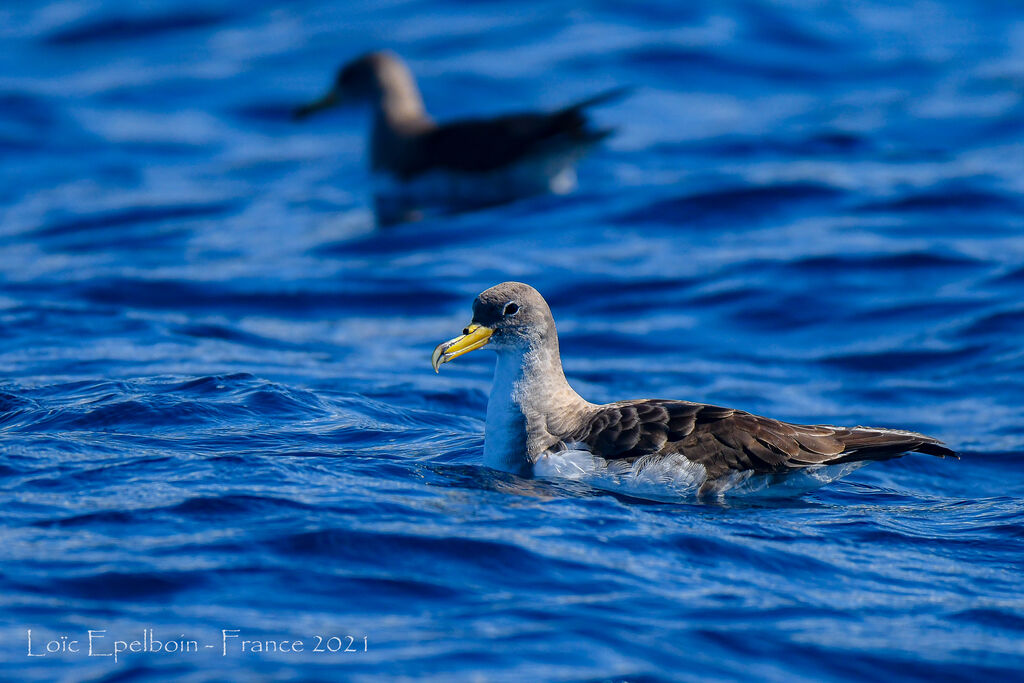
{"points": [[511, 316], [380, 78]]}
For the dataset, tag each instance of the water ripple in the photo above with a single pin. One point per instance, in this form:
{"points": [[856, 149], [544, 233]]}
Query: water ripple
{"points": [[217, 408]]}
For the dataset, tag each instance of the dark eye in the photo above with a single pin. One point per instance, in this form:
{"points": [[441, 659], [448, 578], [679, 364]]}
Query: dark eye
{"points": [[511, 309]]}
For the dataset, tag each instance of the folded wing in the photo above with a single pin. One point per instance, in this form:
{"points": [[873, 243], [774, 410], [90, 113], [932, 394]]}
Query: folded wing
{"points": [[482, 145], [724, 440]]}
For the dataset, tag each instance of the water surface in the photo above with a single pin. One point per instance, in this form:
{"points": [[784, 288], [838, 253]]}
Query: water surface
{"points": [[216, 404]]}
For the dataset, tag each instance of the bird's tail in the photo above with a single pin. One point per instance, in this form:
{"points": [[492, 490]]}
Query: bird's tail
{"points": [[573, 120], [866, 443], [605, 97]]}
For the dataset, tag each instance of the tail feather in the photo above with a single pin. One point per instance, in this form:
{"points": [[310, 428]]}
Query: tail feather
{"points": [[865, 443], [936, 448], [601, 98], [595, 135], [566, 129]]}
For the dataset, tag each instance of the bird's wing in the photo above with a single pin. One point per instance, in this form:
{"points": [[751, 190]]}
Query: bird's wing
{"points": [[481, 145], [724, 440]]}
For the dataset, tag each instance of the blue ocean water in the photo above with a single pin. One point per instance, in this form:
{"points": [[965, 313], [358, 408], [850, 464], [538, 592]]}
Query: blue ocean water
{"points": [[217, 410]]}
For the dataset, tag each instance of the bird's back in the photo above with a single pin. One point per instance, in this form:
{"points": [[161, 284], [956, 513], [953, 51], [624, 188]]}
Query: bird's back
{"points": [[725, 440], [486, 145]]}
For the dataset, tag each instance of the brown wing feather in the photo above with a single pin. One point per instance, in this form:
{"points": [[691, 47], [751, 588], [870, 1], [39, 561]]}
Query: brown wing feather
{"points": [[726, 440], [481, 145], [477, 146]]}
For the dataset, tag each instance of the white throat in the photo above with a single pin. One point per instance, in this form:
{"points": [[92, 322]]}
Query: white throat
{"points": [[529, 396], [505, 438]]}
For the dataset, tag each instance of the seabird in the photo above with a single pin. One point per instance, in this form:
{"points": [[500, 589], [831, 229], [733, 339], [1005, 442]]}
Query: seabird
{"points": [[533, 412], [475, 161]]}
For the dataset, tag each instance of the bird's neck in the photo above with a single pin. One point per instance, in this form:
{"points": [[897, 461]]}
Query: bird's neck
{"points": [[398, 114], [530, 407], [399, 103]]}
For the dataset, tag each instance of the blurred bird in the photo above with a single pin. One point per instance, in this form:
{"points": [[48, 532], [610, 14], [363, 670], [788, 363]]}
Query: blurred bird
{"points": [[533, 414], [477, 161]]}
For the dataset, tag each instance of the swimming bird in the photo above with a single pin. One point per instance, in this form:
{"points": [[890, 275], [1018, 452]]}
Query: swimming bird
{"points": [[532, 412], [476, 161]]}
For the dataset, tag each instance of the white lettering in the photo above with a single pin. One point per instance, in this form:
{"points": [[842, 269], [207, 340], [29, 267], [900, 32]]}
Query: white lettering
{"points": [[225, 634], [94, 635]]}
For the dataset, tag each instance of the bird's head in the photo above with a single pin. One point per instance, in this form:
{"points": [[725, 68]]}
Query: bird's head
{"points": [[365, 78], [511, 316]]}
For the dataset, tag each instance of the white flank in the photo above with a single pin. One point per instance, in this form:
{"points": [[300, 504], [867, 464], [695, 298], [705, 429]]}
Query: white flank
{"points": [[673, 478], [555, 174]]}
